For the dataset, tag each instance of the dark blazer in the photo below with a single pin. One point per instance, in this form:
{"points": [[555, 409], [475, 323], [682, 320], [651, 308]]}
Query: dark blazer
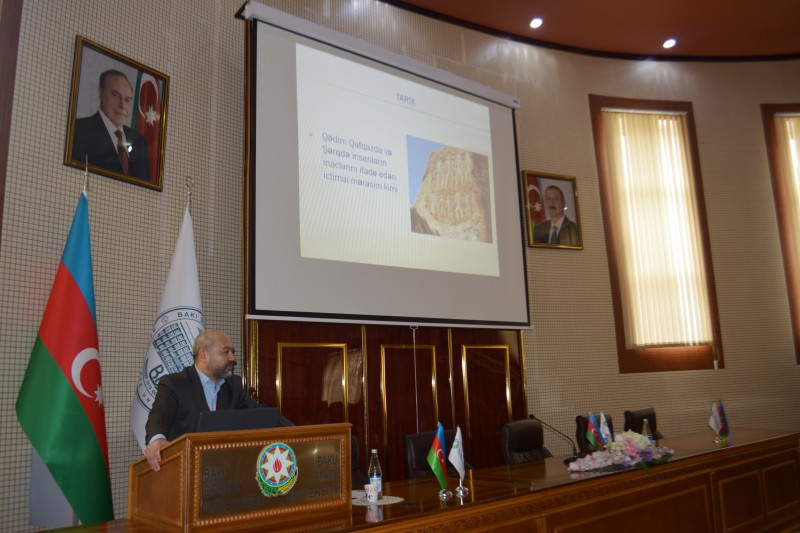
{"points": [[91, 138], [180, 399], [567, 235]]}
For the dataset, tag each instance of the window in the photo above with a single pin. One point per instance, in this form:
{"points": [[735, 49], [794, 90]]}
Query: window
{"points": [[665, 307], [782, 132]]}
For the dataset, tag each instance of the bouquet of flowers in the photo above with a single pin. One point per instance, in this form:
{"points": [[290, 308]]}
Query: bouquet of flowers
{"points": [[628, 449]]}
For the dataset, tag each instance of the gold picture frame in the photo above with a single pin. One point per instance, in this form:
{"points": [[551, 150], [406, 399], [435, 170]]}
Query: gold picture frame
{"points": [[541, 205], [117, 116]]}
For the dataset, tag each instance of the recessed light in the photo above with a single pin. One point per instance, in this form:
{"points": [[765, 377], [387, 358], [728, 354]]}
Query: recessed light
{"points": [[669, 43], [535, 23]]}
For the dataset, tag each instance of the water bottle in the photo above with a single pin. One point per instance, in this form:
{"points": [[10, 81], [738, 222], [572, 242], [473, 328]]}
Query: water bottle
{"points": [[374, 472], [646, 431]]}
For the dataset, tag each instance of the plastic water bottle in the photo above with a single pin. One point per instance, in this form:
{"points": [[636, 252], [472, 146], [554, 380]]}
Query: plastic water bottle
{"points": [[375, 473], [646, 431]]}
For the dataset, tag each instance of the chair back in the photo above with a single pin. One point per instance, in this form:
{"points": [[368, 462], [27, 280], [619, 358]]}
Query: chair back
{"points": [[635, 419], [522, 441], [359, 479], [581, 424]]}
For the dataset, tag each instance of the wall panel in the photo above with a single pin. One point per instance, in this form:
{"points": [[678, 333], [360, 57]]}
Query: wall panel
{"points": [[412, 378]]}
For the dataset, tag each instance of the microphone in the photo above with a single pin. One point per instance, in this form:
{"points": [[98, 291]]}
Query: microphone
{"points": [[568, 460]]}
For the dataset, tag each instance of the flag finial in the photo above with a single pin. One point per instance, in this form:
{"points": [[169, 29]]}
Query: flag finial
{"points": [[189, 185], [86, 174]]}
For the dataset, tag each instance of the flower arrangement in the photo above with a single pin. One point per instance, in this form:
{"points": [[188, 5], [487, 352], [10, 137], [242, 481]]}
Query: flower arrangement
{"points": [[629, 449]]}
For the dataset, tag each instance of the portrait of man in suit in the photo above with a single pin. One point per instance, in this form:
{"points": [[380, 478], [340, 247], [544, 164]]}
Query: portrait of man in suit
{"points": [[105, 138], [117, 116], [552, 210], [558, 229]]}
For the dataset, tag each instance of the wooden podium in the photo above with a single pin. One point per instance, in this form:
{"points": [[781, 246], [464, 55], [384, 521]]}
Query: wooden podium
{"points": [[235, 479]]}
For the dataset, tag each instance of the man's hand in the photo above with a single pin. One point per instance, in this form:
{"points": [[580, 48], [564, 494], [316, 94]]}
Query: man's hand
{"points": [[153, 453]]}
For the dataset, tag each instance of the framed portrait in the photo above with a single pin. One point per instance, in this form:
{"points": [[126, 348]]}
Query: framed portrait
{"points": [[117, 116], [551, 207]]}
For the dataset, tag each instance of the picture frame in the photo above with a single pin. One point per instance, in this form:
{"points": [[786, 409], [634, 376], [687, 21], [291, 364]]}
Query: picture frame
{"points": [[132, 100], [542, 202]]}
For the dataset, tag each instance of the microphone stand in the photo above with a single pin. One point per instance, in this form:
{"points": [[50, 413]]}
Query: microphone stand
{"points": [[568, 460]]}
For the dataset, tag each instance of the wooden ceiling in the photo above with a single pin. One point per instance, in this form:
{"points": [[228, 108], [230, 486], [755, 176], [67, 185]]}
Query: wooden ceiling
{"points": [[704, 29]]}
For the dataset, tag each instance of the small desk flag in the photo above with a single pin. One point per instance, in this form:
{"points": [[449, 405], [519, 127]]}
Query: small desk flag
{"points": [[605, 431], [456, 456], [724, 430], [591, 432], [436, 457], [715, 422]]}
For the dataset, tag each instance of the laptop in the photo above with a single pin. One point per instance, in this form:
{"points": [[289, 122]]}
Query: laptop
{"points": [[235, 419]]}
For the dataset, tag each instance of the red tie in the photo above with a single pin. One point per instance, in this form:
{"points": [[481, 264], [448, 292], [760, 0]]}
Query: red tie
{"points": [[122, 152]]}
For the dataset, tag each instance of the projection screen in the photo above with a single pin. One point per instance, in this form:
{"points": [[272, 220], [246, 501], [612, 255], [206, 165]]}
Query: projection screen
{"points": [[380, 189]]}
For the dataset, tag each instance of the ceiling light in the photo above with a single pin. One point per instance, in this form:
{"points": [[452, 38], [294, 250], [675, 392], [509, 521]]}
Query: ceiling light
{"points": [[669, 43], [535, 23]]}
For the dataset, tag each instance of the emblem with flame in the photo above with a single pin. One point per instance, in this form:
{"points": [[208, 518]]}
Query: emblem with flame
{"points": [[276, 471]]}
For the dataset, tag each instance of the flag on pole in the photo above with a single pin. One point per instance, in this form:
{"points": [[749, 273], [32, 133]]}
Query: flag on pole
{"points": [[605, 431], [436, 457], [148, 117], [60, 404], [724, 429], [178, 321], [591, 432], [456, 455], [714, 421], [598, 430]]}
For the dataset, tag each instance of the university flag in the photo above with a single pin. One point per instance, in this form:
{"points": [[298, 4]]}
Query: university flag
{"points": [[535, 204], [714, 421], [436, 457], [456, 455], [60, 403], [591, 433], [178, 321], [148, 117], [605, 431]]}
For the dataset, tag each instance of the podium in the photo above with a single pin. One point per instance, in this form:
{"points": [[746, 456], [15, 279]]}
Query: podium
{"points": [[235, 479]]}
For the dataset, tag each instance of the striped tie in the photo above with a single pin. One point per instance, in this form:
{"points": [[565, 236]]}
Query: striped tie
{"points": [[122, 152]]}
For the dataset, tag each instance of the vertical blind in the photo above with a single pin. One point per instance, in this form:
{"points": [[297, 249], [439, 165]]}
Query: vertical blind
{"points": [[659, 245]]}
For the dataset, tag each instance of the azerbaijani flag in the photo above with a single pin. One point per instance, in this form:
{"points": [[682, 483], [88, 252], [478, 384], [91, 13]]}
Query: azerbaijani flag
{"points": [[148, 118], [60, 403], [436, 457], [598, 433], [591, 433], [536, 210], [724, 429]]}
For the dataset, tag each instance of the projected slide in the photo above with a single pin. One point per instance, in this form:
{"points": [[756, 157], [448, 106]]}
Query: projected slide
{"points": [[412, 189]]}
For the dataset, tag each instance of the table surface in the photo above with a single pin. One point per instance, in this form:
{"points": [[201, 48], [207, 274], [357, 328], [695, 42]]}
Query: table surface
{"points": [[420, 496]]}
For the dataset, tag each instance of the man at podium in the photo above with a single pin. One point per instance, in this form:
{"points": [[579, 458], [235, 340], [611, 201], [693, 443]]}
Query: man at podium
{"points": [[207, 385]]}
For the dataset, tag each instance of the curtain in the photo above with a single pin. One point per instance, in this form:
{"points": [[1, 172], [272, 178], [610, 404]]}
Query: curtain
{"points": [[658, 237], [788, 137]]}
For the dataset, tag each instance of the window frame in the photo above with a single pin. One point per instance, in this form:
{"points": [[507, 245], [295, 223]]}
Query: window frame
{"points": [[789, 250], [673, 358]]}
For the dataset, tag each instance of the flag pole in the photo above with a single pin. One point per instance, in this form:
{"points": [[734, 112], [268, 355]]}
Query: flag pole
{"points": [[86, 175], [189, 185]]}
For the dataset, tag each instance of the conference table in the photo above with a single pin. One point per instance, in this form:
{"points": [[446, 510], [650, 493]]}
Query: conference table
{"points": [[750, 483]]}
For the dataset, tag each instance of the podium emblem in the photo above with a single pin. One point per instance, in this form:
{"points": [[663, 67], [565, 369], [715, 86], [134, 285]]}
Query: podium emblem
{"points": [[276, 469]]}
